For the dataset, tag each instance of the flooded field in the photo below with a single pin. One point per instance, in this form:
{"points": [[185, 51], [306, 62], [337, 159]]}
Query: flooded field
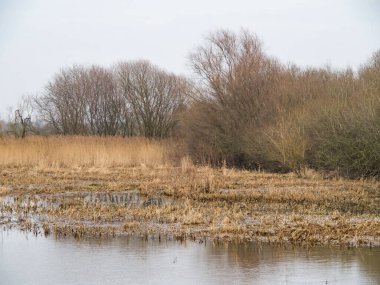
{"points": [[194, 203], [27, 259]]}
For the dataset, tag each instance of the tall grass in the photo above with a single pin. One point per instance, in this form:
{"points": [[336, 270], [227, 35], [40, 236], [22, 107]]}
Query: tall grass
{"points": [[66, 151]]}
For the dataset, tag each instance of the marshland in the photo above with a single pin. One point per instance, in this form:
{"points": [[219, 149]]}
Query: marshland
{"points": [[250, 152], [91, 187]]}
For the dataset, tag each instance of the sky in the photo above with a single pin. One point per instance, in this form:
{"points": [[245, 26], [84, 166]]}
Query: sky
{"points": [[39, 37]]}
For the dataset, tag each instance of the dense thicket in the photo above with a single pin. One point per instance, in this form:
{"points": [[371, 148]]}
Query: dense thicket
{"points": [[255, 112], [244, 108], [345, 135]]}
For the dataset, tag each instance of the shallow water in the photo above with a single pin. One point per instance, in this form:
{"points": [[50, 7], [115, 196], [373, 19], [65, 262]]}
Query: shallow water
{"points": [[26, 259], [126, 198]]}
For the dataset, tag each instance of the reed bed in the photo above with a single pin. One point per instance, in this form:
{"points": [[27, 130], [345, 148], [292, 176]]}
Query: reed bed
{"points": [[51, 181], [57, 151]]}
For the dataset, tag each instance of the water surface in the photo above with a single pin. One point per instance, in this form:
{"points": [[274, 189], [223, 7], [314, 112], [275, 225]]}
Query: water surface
{"points": [[26, 259]]}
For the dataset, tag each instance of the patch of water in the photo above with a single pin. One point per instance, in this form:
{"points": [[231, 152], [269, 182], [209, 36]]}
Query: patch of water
{"points": [[130, 198], [127, 198], [26, 259]]}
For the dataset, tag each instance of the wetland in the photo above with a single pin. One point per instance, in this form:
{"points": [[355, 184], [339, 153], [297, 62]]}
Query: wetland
{"points": [[194, 203], [129, 260], [107, 211]]}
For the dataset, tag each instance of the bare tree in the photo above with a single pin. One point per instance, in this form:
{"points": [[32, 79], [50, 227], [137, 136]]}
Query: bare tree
{"points": [[20, 121], [84, 101], [239, 83], [106, 110], [63, 105], [132, 99], [154, 96], [22, 124]]}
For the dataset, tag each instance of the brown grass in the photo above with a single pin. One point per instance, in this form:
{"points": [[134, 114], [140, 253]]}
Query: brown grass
{"points": [[219, 203], [82, 151]]}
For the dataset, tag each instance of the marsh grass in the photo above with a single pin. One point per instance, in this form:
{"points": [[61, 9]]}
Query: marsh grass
{"points": [[203, 201], [83, 151]]}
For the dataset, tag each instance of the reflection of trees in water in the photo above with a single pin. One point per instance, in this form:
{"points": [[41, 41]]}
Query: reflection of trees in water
{"points": [[226, 263], [138, 247], [251, 261], [369, 261], [255, 260], [239, 254]]}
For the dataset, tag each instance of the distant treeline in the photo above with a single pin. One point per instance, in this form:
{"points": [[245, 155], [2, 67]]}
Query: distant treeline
{"points": [[243, 108]]}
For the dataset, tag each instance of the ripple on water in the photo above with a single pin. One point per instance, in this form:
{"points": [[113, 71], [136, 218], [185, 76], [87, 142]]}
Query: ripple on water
{"points": [[25, 259]]}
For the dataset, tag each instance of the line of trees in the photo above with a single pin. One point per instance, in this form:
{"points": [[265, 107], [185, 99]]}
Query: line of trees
{"points": [[256, 112], [131, 99], [242, 107]]}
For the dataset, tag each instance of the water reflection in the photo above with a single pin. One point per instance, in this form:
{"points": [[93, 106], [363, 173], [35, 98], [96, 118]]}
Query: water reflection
{"points": [[294, 265], [25, 259]]}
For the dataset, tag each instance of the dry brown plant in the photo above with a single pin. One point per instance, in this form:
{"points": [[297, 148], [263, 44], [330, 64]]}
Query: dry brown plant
{"points": [[152, 197], [82, 151]]}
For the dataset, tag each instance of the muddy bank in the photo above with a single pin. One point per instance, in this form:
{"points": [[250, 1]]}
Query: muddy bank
{"points": [[197, 204]]}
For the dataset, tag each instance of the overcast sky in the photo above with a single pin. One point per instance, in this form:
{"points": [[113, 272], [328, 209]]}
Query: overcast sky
{"points": [[38, 37]]}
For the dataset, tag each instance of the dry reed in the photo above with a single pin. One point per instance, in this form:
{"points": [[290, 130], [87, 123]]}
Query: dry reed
{"points": [[145, 196], [82, 151]]}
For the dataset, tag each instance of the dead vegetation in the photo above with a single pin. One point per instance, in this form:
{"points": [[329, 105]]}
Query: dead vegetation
{"points": [[189, 202], [79, 151]]}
